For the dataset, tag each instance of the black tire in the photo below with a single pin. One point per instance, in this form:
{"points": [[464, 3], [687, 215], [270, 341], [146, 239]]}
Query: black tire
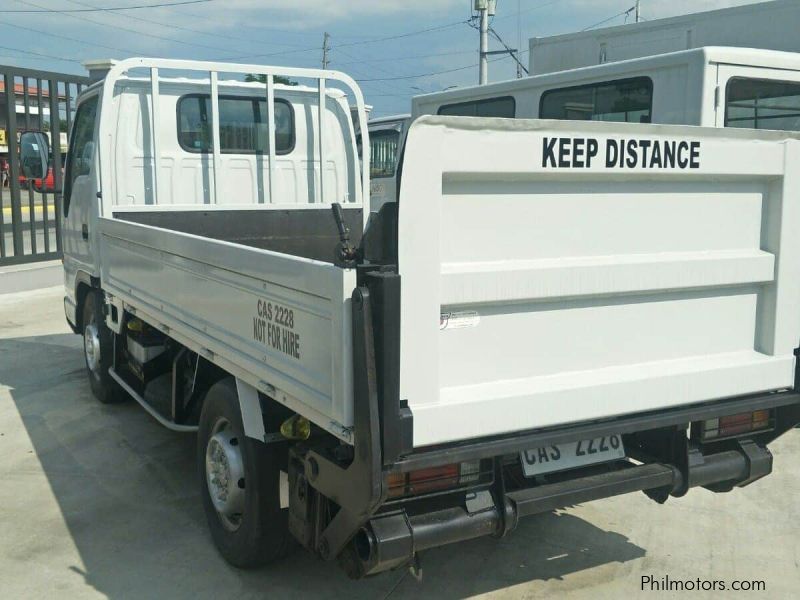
{"points": [[259, 533], [104, 388]]}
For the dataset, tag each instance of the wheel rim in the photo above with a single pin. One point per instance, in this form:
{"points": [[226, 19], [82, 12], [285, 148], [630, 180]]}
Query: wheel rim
{"points": [[91, 347], [225, 474]]}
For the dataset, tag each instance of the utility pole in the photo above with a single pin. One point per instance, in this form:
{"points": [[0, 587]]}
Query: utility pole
{"points": [[486, 9], [638, 11], [325, 49], [519, 36]]}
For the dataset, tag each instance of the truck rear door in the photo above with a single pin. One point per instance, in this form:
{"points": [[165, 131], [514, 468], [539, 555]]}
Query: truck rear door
{"points": [[557, 272]]}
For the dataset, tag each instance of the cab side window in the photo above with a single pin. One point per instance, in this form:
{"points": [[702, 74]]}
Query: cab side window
{"points": [[762, 104], [81, 147], [623, 101], [504, 107]]}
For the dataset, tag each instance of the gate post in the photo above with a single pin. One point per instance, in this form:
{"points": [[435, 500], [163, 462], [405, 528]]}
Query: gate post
{"points": [[13, 163]]}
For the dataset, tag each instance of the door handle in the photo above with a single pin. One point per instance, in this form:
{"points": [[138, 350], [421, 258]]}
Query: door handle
{"points": [[85, 232]]}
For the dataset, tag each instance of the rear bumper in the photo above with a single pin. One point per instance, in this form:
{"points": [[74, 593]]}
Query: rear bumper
{"points": [[788, 402], [669, 465], [379, 535], [392, 540]]}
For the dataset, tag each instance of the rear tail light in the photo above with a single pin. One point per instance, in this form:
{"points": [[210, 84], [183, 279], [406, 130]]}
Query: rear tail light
{"points": [[733, 425], [434, 479]]}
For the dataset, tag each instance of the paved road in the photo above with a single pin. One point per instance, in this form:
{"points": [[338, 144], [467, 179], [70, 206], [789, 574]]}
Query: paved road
{"points": [[100, 501]]}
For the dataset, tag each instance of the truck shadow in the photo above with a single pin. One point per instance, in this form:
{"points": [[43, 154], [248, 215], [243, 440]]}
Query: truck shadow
{"points": [[127, 493]]}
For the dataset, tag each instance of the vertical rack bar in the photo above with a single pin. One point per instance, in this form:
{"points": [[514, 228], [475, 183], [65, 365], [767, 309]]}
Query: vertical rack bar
{"points": [[321, 130], [271, 126], [215, 134], [155, 99]]}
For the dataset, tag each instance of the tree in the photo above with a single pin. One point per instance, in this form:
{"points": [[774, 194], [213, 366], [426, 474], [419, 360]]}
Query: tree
{"points": [[62, 126], [263, 79]]}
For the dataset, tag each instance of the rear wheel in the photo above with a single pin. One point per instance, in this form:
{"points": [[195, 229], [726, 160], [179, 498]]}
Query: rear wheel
{"points": [[98, 346], [240, 484]]}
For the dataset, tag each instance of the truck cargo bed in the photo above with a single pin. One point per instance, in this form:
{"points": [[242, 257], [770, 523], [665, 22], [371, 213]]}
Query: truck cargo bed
{"points": [[278, 322], [298, 231]]}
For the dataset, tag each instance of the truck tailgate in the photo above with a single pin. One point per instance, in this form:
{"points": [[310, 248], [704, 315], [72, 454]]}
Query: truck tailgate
{"points": [[557, 272]]}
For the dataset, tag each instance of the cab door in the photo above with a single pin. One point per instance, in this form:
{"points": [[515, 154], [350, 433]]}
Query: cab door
{"points": [[80, 194]]}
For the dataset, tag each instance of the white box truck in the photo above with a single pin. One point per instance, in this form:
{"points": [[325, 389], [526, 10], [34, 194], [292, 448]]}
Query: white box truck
{"points": [[548, 315]]}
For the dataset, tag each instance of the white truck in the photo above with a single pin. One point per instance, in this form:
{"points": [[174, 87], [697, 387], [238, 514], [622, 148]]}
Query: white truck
{"points": [[552, 313], [711, 87]]}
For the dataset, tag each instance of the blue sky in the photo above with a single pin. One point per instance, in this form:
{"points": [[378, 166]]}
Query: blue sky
{"points": [[290, 32]]}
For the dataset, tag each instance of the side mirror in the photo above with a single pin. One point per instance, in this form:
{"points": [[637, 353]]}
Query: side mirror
{"points": [[33, 154]]}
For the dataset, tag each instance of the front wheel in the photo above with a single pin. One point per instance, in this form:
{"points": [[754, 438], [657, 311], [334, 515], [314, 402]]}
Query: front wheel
{"points": [[98, 346], [240, 484]]}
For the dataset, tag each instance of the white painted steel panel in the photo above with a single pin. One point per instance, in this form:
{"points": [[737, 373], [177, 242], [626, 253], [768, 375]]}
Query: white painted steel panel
{"points": [[209, 295], [124, 137], [589, 292]]}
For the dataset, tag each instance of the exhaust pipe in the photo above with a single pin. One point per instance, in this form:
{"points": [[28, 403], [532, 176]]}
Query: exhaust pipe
{"points": [[393, 540]]}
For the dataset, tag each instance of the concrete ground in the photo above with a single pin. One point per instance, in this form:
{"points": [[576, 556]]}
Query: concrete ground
{"points": [[100, 501], [30, 276]]}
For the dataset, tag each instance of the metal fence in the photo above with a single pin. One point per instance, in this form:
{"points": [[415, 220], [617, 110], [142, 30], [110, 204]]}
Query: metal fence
{"points": [[30, 210]]}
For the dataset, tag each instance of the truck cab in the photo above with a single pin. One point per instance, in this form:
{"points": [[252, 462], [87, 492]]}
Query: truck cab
{"points": [[709, 87], [248, 172]]}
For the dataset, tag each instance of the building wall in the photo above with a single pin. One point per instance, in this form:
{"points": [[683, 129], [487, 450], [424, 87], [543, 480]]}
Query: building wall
{"points": [[35, 121], [767, 25]]}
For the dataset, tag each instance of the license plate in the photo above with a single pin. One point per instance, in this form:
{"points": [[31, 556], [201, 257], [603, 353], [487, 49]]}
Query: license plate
{"points": [[574, 454]]}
